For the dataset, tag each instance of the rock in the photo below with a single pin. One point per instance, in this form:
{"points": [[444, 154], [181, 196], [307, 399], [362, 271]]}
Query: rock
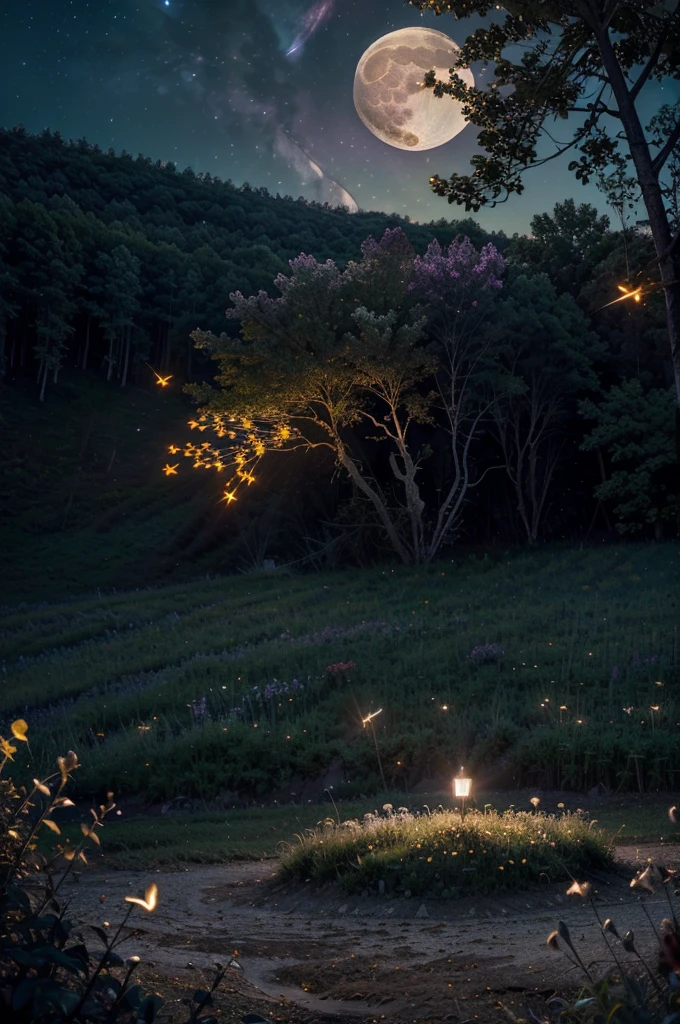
{"points": [[422, 911], [342, 909], [381, 887]]}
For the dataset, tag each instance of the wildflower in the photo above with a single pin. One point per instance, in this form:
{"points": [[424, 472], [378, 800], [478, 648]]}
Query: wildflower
{"points": [[579, 889], [486, 653], [67, 763], [673, 814], [19, 729], [628, 942], [552, 942], [535, 801], [339, 667], [610, 927], [646, 879], [7, 749]]}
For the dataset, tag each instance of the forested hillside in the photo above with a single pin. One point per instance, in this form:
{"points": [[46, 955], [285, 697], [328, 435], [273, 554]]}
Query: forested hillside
{"points": [[109, 262]]}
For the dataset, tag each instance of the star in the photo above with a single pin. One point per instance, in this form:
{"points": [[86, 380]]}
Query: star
{"points": [[173, 449], [170, 470]]}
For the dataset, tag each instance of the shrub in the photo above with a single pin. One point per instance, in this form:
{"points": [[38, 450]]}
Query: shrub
{"points": [[47, 974], [631, 990]]}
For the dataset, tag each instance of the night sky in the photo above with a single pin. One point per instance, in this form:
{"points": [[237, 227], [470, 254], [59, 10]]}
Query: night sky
{"points": [[256, 90]]}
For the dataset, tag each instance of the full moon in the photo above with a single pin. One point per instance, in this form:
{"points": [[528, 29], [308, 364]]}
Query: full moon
{"points": [[390, 99]]}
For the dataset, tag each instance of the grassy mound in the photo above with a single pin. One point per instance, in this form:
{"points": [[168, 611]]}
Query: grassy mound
{"points": [[439, 855]]}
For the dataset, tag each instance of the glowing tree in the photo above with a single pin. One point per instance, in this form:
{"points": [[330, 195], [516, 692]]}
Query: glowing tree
{"points": [[342, 356]]}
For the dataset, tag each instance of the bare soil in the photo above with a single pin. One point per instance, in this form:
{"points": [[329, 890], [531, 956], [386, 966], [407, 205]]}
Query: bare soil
{"points": [[313, 954]]}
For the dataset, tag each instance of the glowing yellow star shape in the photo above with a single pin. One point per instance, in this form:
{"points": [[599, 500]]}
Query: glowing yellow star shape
{"points": [[229, 496], [173, 449], [170, 470], [162, 381]]}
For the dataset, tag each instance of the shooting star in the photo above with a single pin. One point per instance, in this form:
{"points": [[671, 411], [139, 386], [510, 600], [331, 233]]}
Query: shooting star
{"points": [[311, 20]]}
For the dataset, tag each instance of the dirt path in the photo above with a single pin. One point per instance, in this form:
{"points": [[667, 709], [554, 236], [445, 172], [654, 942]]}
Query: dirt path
{"points": [[317, 954]]}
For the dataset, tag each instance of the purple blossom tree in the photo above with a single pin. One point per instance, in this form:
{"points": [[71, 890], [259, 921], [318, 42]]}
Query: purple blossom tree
{"points": [[363, 353], [458, 285]]}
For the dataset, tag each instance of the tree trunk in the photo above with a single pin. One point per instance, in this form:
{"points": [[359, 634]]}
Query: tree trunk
{"points": [[3, 350], [109, 372], [648, 177], [86, 350], [126, 361], [379, 506], [43, 368]]}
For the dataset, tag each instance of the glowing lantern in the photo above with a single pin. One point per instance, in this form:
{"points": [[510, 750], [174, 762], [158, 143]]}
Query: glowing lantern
{"points": [[461, 791]]}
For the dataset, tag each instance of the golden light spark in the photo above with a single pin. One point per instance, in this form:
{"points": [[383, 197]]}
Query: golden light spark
{"points": [[150, 900], [238, 447], [628, 293], [369, 718], [161, 381], [170, 470]]}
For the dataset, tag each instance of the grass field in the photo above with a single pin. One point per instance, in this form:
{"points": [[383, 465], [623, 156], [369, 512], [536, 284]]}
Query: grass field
{"points": [[556, 668]]}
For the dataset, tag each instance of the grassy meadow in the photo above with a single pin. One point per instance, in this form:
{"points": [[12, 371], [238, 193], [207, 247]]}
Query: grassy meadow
{"points": [[555, 668]]}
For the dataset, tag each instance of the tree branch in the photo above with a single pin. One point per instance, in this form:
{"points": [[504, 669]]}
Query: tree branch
{"points": [[670, 144], [649, 66]]}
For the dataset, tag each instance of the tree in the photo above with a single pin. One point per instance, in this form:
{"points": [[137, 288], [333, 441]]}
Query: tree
{"points": [[547, 345], [632, 427], [8, 282], [50, 277], [118, 304], [592, 58], [339, 361], [565, 245]]}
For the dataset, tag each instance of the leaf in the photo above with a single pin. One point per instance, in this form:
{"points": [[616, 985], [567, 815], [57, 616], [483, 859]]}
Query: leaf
{"points": [[41, 787], [148, 1008], [49, 993], [7, 748], [52, 825], [23, 993], [19, 729], [564, 933]]}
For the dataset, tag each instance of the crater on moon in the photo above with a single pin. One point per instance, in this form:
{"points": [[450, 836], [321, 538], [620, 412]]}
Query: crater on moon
{"points": [[388, 95]]}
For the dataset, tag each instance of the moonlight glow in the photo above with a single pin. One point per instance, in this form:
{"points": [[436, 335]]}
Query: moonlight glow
{"points": [[389, 96]]}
